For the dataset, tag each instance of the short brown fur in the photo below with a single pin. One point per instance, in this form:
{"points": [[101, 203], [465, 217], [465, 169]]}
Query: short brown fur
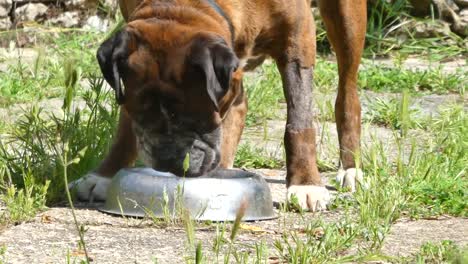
{"points": [[281, 29]]}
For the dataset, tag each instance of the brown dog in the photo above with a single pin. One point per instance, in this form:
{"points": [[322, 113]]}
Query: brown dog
{"points": [[181, 63]]}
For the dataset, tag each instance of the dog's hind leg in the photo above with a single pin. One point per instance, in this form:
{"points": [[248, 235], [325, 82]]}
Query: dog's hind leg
{"points": [[345, 22]]}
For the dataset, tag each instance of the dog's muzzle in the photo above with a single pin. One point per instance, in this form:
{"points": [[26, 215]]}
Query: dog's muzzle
{"points": [[168, 152]]}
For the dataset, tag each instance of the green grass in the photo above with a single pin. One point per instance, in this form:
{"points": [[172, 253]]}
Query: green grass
{"points": [[381, 78], [436, 174], [388, 113], [23, 203], [39, 138], [249, 156], [397, 79], [43, 73], [443, 252], [264, 93]]}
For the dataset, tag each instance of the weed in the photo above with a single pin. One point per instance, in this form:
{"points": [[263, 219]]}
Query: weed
{"points": [[23, 204], [436, 183], [72, 76], [443, 252], [326, 110], [381, 78], [394, 113], [325, 76], [3, 250], [264, 93], [219, 240], [382, 16], [32, 143], [318, 243], [43, 76], [248, 156], [65, 162], [433, 80], [199, 254]]}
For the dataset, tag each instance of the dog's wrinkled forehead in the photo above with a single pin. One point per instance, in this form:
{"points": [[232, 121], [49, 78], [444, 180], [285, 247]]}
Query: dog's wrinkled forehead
{"points": [[170, 57], [158, 49]]}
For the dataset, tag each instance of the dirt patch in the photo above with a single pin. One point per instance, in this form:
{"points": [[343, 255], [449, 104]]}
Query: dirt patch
{"points": [[406, 237]]}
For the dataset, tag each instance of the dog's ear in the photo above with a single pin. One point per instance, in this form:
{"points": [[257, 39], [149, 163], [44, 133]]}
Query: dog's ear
{"points": [[217, 61], [112, 56]]}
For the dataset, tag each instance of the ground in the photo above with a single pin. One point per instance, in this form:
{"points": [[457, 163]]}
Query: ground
{"points": [[50, 236], [413, 139]]}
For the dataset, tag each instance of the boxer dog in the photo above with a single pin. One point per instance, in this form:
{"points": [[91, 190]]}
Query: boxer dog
{"points": [[176, 68]]}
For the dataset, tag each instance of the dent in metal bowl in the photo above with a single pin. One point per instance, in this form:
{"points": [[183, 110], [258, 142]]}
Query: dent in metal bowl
{"points": [[217, 197]]}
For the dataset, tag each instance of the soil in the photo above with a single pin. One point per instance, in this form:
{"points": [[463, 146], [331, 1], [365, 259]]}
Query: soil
{"points": [[51, 235]]}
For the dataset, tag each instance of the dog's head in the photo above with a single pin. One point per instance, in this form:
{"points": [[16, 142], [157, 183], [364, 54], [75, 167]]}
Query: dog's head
{"points": [[178, 83]]}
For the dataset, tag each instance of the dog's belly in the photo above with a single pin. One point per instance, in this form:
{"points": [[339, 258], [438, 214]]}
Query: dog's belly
{"points": [[250, 63]]}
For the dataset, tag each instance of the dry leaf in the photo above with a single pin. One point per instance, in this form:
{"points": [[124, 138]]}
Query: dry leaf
{"points": [[317, 232], [46, 219], [78, 253], [273, 260], [254, 229]]}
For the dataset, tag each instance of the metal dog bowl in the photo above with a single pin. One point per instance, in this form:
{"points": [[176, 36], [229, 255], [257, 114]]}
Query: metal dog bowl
{"points": [[216, 197]]}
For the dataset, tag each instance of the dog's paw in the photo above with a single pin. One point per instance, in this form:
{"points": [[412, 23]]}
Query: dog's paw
{"points": [[309, 197], [91, 187], [348, 178]]}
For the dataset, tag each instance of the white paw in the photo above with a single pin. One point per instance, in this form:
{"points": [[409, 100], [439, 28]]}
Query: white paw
{"points": [[348, 178], [310, 197], [91, 187]]}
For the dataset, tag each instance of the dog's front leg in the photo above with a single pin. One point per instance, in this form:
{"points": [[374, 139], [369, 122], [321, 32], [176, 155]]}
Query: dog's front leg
{"points": [[123, 153], [303, 178]]}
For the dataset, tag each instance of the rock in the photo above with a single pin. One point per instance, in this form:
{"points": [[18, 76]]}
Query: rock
{"points": [[461, 3], [452, 5], [420, 7], [423, 29], [80, 4], [429, 29], [67, 19], [5, 23], [5, 7], [113, 4], [447, 11], [464, 15], [31, 12], [96, 23], [74, 3]]}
